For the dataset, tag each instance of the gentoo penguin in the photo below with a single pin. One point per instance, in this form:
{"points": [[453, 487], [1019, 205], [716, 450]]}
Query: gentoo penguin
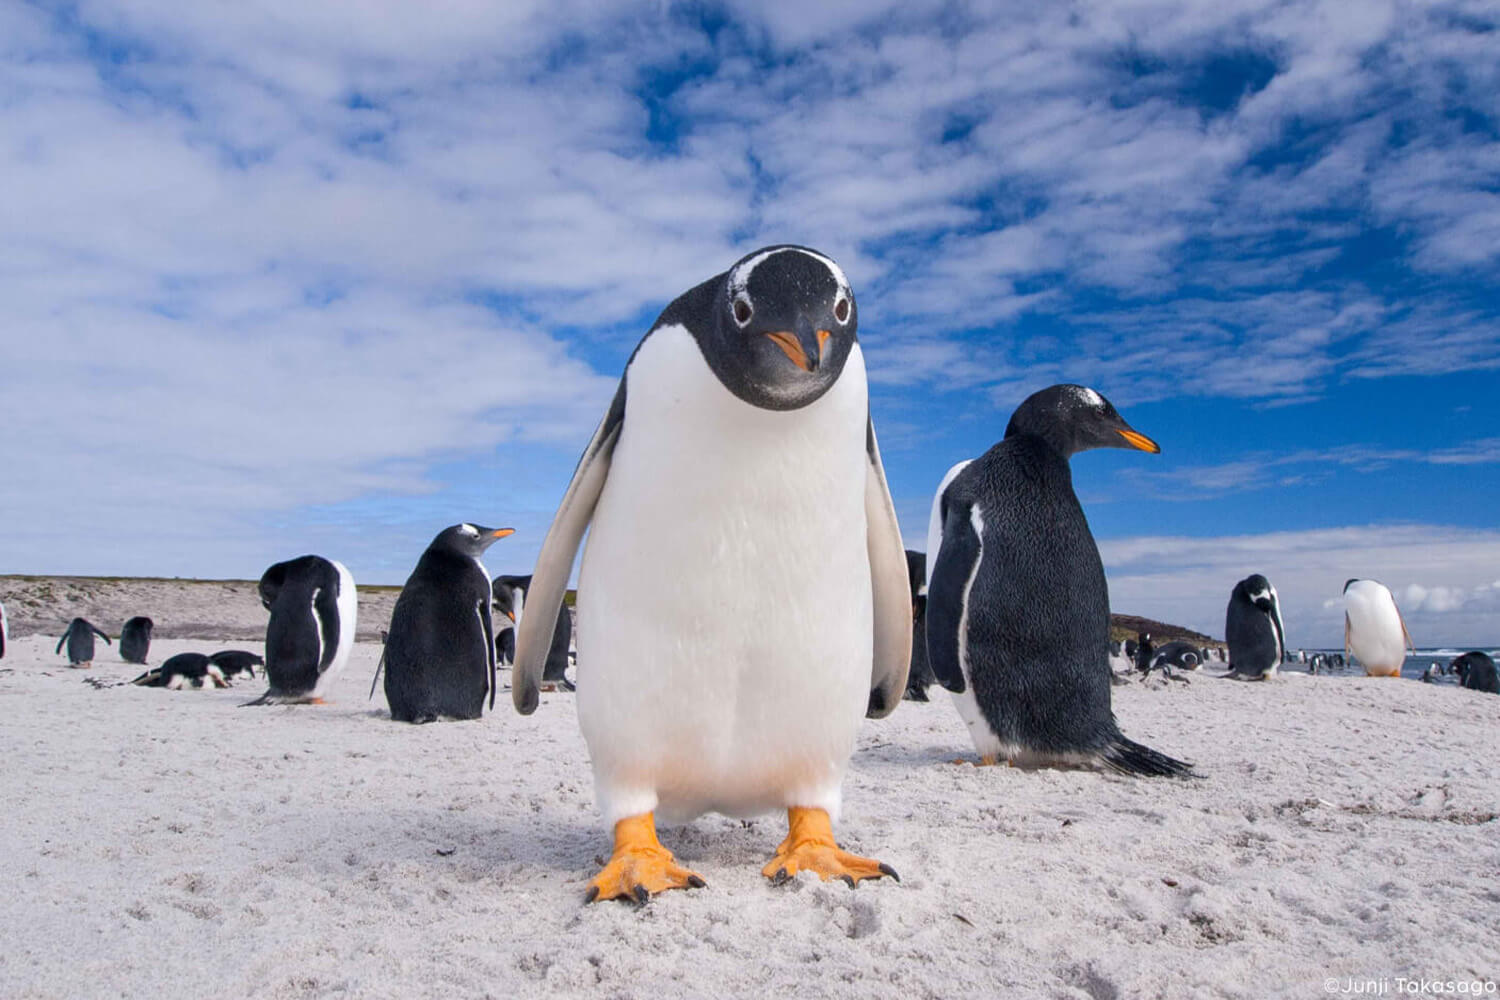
{"points": [[1252, 629], [919, 677], [80, 640], [505, 624], [510, 594], [1017, 604], [440, 649], [1178, 655], [1476, 671], [135, 639], [4, 632], [1373, 628], [313, 609], [233, 662], [183, 670], [739, 463], [1145, 649]]}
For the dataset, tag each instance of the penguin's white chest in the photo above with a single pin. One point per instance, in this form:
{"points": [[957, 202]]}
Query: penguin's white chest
{"points": [[1375, 633], [725, 626]]}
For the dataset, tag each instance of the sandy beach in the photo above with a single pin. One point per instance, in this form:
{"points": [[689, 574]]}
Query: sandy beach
{"points": [[162, 843]]}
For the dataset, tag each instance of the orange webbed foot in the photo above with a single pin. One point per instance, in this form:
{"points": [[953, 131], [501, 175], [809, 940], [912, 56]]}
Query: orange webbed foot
{"points": [[809, 846], [640, 867]]}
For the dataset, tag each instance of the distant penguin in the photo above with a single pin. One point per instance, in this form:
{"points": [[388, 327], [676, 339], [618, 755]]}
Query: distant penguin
{"points": [[313, 609], [135, 639], [1114, 647], [233, 662], [1129, 648], [1373, 628], [1179, 655], [1253, 630], [919, 678], [1476, 671], [1017, 603], [80, 641], [1145, 649], [743, 600], [185, 670], [4, 632], [555, 670], [440, 649]]}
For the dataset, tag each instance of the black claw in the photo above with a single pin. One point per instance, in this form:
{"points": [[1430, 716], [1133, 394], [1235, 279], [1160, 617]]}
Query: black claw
{"points": [[696, 882], [781, 877], [886, 869], [592, 895], [849, 881], [642, 895]]}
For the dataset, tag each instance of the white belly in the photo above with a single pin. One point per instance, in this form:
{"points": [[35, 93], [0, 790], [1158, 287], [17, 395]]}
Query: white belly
{"points": [[1375, 634], [348, 605], [724, 628]]}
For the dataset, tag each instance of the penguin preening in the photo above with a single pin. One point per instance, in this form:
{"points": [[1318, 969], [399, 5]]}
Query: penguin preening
{"points": [[919, 677], [1476, 671], [510, 597], [135, 639], [739, 463], [1253, 630], [440, 648], [184, 670], [1017, 603], [79, 638], [1374, 630], [313, 608]]}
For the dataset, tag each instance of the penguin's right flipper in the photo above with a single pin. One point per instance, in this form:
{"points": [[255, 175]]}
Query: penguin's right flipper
{"points": [[948, 592], [554, 564], [109, 642], [60, 644]]}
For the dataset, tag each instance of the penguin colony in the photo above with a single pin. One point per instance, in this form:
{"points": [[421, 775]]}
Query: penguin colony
{"points": [[739, 458]]}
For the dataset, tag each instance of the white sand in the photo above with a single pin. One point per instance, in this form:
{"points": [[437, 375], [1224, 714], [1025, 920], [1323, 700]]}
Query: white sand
{"points": [[172, 844]]}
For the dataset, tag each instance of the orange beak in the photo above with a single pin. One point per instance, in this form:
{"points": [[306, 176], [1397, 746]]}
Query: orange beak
{"points": [[1141, 441], [792, 348], [503, 532]]}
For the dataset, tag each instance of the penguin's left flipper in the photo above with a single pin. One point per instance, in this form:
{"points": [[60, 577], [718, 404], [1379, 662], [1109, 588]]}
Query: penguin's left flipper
{"points": [[890, 588], [809, 847], [554, 564]]}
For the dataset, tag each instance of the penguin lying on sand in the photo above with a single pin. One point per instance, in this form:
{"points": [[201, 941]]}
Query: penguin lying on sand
{"points": [[738, 462], [1017, 604], [181, 671], [233, 662]]}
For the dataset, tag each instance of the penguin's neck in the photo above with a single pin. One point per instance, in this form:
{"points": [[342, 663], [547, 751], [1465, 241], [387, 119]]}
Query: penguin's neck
{"points": [[1039, 458]]}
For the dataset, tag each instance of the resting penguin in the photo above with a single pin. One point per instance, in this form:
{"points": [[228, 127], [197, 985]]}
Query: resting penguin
{"points": [[1476, 671], [1373, 628], [80, 640], [919, 678], [4, 631], [183, 670], [313, 611], [440, 650], [1178, 655], [135, 639], [738, 462], [1017, 604], [233, 662], [510, 594], [1252, 629]]}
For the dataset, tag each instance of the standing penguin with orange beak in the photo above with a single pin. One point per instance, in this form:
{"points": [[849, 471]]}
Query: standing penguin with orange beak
{"points": [[440, 650], [739, 464]]}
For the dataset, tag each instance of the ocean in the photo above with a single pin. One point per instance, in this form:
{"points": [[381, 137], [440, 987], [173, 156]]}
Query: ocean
{"points": [[1413, 669]]}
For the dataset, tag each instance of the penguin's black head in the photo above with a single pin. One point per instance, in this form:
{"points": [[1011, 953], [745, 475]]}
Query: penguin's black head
{"points": [[469, 539], [1348, 582], [503, 592], [1257, 590], [784, 323], [1074, 418]]}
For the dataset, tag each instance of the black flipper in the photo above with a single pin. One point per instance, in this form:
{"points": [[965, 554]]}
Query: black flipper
{"points": [[485, 617], [956, 560]]}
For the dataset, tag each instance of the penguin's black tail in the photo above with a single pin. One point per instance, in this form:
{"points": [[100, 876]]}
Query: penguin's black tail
{"points": [[1129, 757], [151, 678]]}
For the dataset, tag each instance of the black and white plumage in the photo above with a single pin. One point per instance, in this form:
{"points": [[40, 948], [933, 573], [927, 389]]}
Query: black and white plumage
{"points": [[79, 638], [313, 608], [738, 466], [1177, 655], [135, 639], [233, 662], [185, 670], [1017, 603], [440, 648], [919, 677], [1476, 671], [510, 597], [1253, 630], [1374, 630], [4, 631]]}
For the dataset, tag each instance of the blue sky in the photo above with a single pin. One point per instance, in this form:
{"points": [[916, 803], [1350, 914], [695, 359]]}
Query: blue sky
{"points": [[285, 277]]}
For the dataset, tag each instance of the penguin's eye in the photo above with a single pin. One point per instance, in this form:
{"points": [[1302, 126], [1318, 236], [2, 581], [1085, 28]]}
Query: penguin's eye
{"points": [[841, 310], [742, 310]]}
